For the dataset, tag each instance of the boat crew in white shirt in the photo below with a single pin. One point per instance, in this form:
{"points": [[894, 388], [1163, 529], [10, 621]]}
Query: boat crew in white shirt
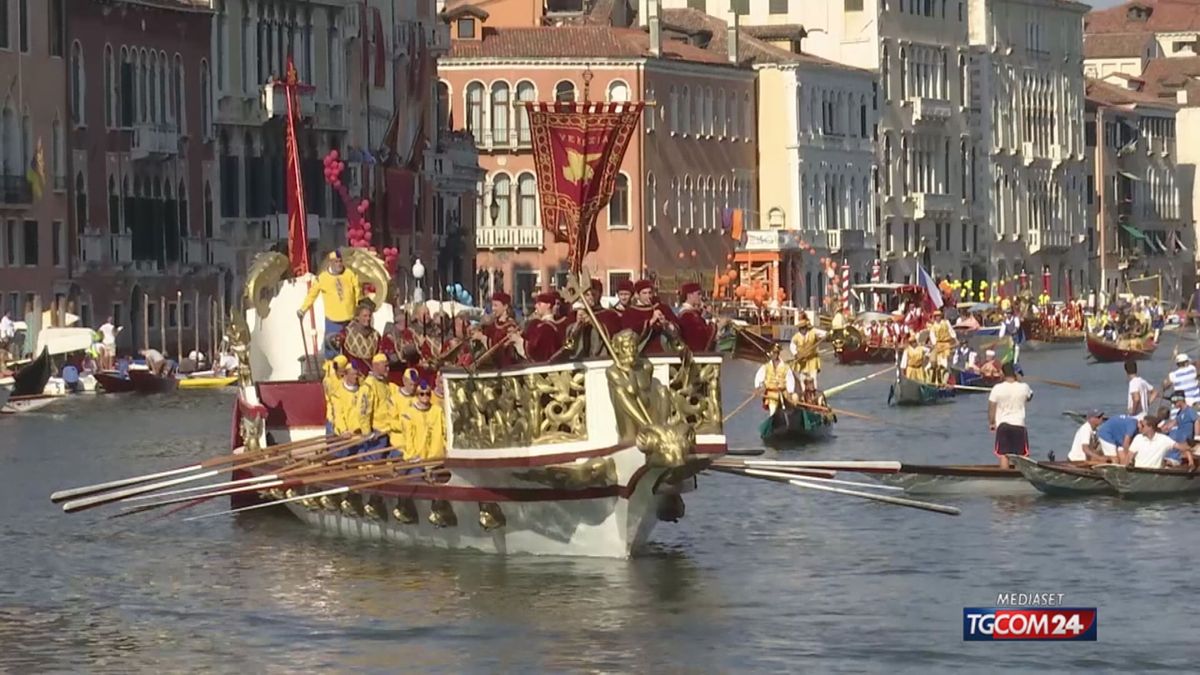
{"points": [[1183, 379], [1085, 446], [1141, 394], [1150, 448]]}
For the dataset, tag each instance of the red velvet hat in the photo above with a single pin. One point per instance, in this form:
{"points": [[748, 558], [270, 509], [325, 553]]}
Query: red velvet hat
{"points": [[643, 285], [501, 296], [549, 297], [625, 285], [687, 289]]}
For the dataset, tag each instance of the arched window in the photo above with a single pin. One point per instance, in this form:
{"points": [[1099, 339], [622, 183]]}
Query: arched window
{"points": [[688, 212], [685, 112], [618, 92], [443, 103], [675, 197], [114, 207], [502, 193], [903, 73], [474, 98], [673, 104], [527, 211], [651, 201], [81, 217], [152, 88], [747, 118], [205, 100], [164, 74], [143, 78], [884, 73], [698, 123], [208, 211], [110, 89], [178, 92], [709, 121], [564, 92], [78, 84], [722, 122], [500, 107], [184, 229], [618, 207], [526, 93]]}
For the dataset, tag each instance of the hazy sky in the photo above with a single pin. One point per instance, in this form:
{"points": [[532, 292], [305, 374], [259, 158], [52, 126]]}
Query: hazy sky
{"points": [[1102, 3]]}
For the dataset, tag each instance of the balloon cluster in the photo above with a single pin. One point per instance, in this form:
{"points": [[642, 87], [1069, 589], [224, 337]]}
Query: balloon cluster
{"points": [[391, 258], [758, 293], [359, 231], [459, 294]]}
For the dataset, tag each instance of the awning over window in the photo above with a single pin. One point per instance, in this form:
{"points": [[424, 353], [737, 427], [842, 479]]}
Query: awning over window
{"points": [[1134, 232], [1129, 175]]}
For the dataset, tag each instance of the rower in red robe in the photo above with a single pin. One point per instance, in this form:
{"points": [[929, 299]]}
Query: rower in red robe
{"points": [[650, 318], [624, 296], [694, 330], [587, 343], [500, 330], [542, 340]]}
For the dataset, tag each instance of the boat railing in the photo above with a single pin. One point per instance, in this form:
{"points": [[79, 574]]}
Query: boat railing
{"points": [[541, 414]]}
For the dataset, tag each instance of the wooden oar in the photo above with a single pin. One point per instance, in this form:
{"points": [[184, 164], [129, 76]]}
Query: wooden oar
{"points": [[206, 464], [371, 465], [753, 395], [1055, 383], [324, 493], [818, 484], [842, 387], [967, 387], [108, 497], [837, 465], [814, 473], [788, 475]]}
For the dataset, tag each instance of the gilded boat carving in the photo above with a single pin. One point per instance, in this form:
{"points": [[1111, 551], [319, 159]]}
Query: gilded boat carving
{"points": [[597, 472], [644, 407], [519, 411], [696, 395]]}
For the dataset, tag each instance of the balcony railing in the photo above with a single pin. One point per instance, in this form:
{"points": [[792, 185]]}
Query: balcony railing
{"points": [[154, 141], [845, 240], [274, 102], [15, 190], [928, 203], [113, 249], [508, 237], [931, 109], [771, 240], [1046, 240]]}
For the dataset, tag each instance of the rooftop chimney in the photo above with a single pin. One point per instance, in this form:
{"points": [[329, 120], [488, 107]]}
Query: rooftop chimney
{"points": [[731, 36], [655, 9]]}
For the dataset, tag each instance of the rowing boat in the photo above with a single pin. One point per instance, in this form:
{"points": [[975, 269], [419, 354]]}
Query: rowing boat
{"points": [[1061, 479], [796, 424], [205, 382], [967, 378], [113, 382], [1105, 351], [146, 382], [961, 479], [906, 391], [1133, 482], [32, 378]]}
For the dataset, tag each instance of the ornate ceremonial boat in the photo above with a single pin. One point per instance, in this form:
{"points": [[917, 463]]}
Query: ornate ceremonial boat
{"points": [[852, 347], [1145, 483], [1107, 352], [905, 391], [968, 479], [796, 425], [1061, 479], [544, 459]]}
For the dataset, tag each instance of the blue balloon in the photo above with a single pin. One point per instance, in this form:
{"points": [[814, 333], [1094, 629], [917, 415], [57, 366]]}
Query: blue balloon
{"points": [[458, 288]]}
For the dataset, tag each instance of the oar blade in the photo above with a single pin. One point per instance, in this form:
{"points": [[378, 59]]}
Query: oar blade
{"points": [[62, 495]]}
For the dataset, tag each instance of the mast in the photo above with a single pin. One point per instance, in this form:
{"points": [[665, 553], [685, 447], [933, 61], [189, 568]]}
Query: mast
{"points": [[1101, 197]]}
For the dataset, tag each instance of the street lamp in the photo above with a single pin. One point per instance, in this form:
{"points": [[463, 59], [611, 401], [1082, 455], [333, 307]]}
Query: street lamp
{"points": [[418, 272], [494, 207]]}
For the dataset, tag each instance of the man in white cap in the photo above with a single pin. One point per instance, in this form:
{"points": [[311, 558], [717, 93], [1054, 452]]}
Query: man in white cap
{"points": [[1183, 379]]}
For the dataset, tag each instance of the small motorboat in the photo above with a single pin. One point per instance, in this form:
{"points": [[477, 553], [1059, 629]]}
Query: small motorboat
{"points": [[146, 382], [113, 382], [206, 381]]}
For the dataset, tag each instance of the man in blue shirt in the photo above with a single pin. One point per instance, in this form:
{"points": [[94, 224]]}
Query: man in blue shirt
{"points": [[1116, 433], [1183, 420]]}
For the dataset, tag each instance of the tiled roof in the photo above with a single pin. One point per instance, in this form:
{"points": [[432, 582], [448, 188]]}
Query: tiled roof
{"points": [[1164, 16], [1115, 45], [750, 48], [1164, 77], [573, 42], [1104, 93], [779, 31]]}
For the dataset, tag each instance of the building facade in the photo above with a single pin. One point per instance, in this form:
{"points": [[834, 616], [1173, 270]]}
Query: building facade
{"points": [[142, 173], [1140, 215], [1026, 95], [692, 158], [925, 165], [35, 244]]}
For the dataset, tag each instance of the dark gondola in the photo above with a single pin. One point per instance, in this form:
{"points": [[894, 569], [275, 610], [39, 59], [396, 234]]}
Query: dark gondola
{"points": [[32, 379]]}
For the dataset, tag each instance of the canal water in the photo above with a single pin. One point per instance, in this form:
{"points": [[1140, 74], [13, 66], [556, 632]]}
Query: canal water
{"points": [[758, 576]]}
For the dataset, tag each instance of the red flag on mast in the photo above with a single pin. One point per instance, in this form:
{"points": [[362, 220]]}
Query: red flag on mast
{"points": [[297, 216], [577, 151]]}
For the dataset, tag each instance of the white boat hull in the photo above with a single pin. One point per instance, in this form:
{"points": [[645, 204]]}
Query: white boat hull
{"points": [[29, 403]]}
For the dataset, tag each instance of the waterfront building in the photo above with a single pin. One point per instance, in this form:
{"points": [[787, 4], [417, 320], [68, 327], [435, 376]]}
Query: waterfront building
{"points": [[1134, 191], [35, 244], [692, 161], [142, 172], [1026, 99]]}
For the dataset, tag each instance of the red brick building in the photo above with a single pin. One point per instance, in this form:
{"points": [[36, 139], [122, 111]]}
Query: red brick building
{"points": [[693, 158], [141, 172]]}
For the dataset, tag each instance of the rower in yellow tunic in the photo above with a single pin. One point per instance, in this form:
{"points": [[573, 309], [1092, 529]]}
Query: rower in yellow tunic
{"points": [[353, 405], [943, 340], [340, 291], [806, 360], [424, 428], [381, 390], [775, 380], [913, 360], [329, 383]]}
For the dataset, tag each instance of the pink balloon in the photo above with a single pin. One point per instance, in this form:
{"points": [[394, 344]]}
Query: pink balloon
{"points": [[337, 184], [366, 226], [367, 237], [333, 153]]}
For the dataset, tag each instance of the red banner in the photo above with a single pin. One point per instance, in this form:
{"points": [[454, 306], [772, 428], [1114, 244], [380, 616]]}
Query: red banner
{"points": [[577, 151], [400, 189], [297, 212]]}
